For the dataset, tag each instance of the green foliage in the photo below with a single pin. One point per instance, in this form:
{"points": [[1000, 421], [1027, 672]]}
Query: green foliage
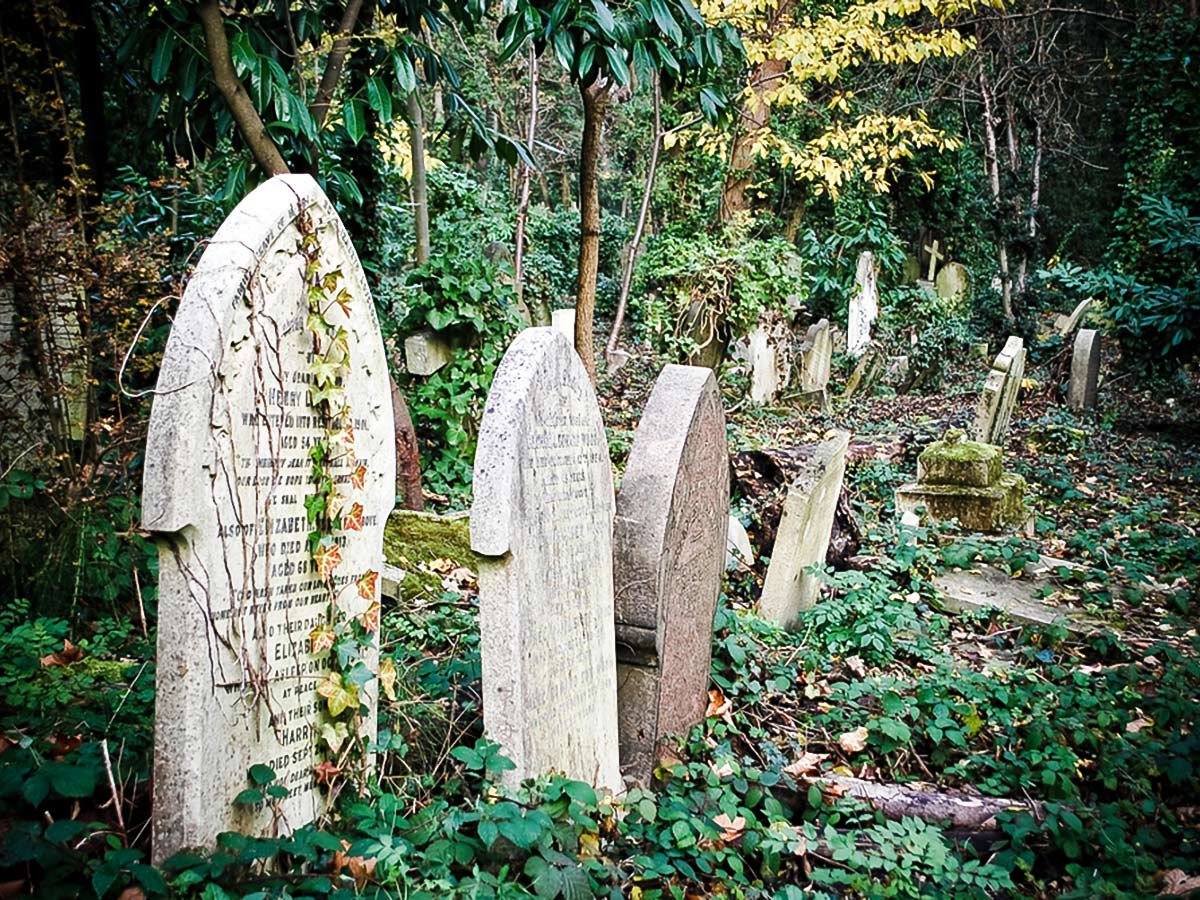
{"points": [[551, 266], [938, 324]]}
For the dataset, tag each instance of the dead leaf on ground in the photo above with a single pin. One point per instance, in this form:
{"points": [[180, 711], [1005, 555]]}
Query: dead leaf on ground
{"points": [[1177, 883], [325, 771], [722, 771], [719, 705], [856, 665], [64, 657], [806, 764], [360, 869], [854, 741], [1137, 725], [731, 829], [62, 744]]}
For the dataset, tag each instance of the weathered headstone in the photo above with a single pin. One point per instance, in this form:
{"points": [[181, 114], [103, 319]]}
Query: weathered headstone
{"points": [[866, 373], [816, 361], [251, 384], [1065, 324], [766, 356], [670, 545], [999, 398], [864, 306], [564, 321], [426, 351], [739, 552], [1085, 370], [953, 282], [803, 535], [542, 522]]}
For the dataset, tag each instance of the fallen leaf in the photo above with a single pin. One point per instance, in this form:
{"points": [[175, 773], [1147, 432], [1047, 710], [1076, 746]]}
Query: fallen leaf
{"points": [[806, 764], [589, 845], [854, 741], [1137, 725], [131, 893], [64, 657], [856, 665], [325, 771], [731, 829], [62, 744], [722, 771]]}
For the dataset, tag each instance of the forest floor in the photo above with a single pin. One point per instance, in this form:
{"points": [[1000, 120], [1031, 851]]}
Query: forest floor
{"points": [[1090, 739]]}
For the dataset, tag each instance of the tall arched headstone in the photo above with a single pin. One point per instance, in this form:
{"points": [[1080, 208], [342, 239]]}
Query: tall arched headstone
{"points": [[672, 516], [237, 410], [864, 306], [1085, 370], [542, 519]]}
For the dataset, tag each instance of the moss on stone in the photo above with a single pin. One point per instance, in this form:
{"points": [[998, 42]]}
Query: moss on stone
{"points": [[956, 461], [986, 509], [413, 540]]}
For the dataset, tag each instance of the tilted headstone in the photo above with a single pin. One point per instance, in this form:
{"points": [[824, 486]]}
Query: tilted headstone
{"points": [[1085, 370], [816, 359], [246, 392], [953, 282], [803, 535], [542, 521], [866, 373], [765, 355], [426, 351], [999, 398], [864, 306], [1065, 324], [670, 544]]}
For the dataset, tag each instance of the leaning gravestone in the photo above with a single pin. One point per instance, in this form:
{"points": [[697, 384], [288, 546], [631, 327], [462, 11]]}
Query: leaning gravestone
{"points": [[864, 306], [670, 543], [816, 362], [542, 521], [1085, 370], [999, 396], [275, 353], [802, 539]]}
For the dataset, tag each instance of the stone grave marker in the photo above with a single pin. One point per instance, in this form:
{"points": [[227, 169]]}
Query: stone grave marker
{"points": [[228, 470], [1085, 370], [803, 535], [670, 546], [934, 258], [766, 356], [999, 398], [866, 373], [1065, 324], [542, 521], [953, 282], [564, 321], [864, 306], [816, 361], [426, 351]]}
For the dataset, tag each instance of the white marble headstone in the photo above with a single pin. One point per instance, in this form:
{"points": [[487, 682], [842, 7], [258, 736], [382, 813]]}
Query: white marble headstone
{"points": [[864, 306], [227, 475], [542, 519]]}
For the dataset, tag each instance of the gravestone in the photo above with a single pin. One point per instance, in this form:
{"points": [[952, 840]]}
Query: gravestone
{"points": [[803, 535], [816, 361], [1065, 324], [564, 321], [934, 258], [866, 373], [864, 306], [670, 546], [542, 522], [1085, 370], [739, 552], [426, 351], [953, 283], [999, 398], [228, 473], [765, 353]]}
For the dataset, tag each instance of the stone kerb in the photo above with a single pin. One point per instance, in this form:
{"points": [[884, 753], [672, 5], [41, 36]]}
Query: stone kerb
{"points": [[542, 521], [802, 539], [226, 478], [670, 546]]}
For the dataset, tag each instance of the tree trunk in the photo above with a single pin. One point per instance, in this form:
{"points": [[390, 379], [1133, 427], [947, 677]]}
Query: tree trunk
{"points": [[640, 229], [526, 178], [595, 101], [334, 63], [245, 116], [992, 165], [419, 184]]}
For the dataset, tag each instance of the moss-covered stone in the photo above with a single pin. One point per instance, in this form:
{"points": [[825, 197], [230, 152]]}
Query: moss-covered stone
{"points": [[988, 509], [413, 540], [957, 461]]}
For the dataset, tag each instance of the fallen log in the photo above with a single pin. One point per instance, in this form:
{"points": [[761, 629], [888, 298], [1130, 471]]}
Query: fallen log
{"points": [[923, 801]]}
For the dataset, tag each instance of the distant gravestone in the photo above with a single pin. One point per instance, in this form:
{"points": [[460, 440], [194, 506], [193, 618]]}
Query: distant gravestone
{"points": [[426, 351], [227, 475], [934, 258], [670, 544], [864, 306], [802, 539], [866, 373], [999, 398], [1085, 370], [1066, 324], [953, 282], [766, 355], [564, 321], [542, 521], [816, 360]]}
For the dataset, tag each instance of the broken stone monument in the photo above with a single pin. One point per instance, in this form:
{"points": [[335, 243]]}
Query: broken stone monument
{"points": [[983, 588], [864, 306], [965, 480], [542, 524], [1085, 370], [999, 397], [802, 539], [866, 374], [670, 545], [1065, 324], [253, 402]]}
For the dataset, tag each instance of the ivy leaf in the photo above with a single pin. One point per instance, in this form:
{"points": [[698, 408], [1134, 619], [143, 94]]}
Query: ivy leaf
{"points": [[334, 734], [353, 521], [328, 557], [322, 638], [338, 695], [387, 677], [358, 478]]}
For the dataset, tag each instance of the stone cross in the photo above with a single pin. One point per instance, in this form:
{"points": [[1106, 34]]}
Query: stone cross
{"points": [[864, 306], [999, 398], [542, 521], [670, 546], [1085, 370], [802, 539], [227, 476], [934, 256]]}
